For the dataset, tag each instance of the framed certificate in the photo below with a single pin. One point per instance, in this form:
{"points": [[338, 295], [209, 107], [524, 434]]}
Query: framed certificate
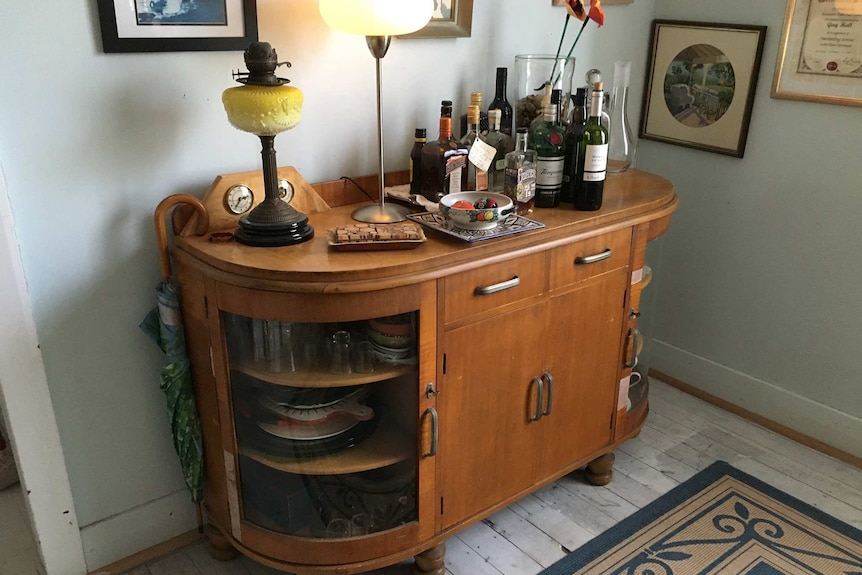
{"points": [[820, 55]]}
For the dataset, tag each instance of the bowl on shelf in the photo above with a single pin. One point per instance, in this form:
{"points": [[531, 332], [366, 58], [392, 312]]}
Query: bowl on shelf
{"points": [[389, 340], [476, 210]]}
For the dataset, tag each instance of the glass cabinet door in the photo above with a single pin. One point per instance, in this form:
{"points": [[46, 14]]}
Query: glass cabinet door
{"points": [[325, 423]]}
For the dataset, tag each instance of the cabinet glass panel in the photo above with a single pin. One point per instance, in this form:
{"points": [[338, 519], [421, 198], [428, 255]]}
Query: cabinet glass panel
{"points": [[325, 419]]}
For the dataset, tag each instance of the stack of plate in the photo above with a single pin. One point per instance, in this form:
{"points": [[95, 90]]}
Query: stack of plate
{"points": [[304, 422], [393, 338]]}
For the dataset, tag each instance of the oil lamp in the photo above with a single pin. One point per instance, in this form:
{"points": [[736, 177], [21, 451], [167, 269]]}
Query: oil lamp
{"points": [[265, 106]]}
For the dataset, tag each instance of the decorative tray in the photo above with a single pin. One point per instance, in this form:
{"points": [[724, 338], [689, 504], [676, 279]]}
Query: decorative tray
{"points": [[511, 225], [366, 237]]}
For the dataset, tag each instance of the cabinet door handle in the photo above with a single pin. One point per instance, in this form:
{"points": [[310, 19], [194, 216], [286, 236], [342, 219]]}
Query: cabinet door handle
{"points": [[635, 342], [540, 393], [494, 288], [432, 450], [584, 260], [547, 378]]}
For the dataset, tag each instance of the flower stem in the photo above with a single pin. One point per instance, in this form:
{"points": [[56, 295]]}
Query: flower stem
{"points": [[560, 46], [572, 49]]}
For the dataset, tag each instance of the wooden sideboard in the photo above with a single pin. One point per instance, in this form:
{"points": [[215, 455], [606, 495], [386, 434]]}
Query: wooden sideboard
{"points": [[504, 390]]}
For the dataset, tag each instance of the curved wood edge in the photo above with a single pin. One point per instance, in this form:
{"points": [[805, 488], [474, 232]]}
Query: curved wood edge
{"points": [[201, 227]]}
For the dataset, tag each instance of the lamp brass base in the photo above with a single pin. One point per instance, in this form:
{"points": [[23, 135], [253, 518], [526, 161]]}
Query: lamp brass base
{"points": [[380, 214]]}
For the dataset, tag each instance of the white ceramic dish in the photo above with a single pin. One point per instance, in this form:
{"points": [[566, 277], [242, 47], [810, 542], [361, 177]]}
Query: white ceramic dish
{"points": [[477, 218]]}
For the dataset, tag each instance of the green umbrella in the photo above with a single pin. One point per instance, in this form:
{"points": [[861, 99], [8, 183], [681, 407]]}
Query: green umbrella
{"points": [[164, 325]]}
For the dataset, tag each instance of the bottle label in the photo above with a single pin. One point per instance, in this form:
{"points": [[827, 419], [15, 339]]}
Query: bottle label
{"points": [[500, 165], [549, 171], [521, 183], [482, 154], [596, 158]]}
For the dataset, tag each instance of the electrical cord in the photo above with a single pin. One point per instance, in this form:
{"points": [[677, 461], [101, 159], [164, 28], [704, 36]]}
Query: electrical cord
{"points": [[360, 188]]}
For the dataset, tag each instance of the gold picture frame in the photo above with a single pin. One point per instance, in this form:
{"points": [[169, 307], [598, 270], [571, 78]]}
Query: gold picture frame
{"points": [[818, 57], [453, 19], [699, 90]]}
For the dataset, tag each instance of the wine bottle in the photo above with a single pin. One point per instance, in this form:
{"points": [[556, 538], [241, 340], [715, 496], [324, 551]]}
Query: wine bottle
{"points": [[500, 102], [520, 183], [473, 177], [419, 139], [592, 157], [577, 123], [442, 160], [549, 140], [475, 100], [502, 144]]}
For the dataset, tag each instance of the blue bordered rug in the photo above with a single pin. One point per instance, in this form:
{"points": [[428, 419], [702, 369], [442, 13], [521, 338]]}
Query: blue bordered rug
{"points": [[721, 522]]}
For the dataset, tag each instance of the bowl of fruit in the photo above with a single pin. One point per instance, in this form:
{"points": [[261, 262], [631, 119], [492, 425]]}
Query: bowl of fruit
{"points": [[476, 210]]}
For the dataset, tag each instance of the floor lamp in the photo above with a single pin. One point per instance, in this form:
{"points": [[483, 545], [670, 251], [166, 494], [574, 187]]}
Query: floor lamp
{"points": [[378, 21]]}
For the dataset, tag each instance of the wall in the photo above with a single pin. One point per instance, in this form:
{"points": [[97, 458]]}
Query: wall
{"points": [[91, 142], [756, 300]]}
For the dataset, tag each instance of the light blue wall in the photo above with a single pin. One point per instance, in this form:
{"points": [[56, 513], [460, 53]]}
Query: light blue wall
{"points": [[756, 299], [90, 143]]}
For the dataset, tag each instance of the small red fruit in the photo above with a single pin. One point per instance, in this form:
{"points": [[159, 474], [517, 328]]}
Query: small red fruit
{"points": [[463, 205]]}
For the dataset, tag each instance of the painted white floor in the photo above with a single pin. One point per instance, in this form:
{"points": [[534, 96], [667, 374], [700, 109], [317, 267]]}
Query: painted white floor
{"points": [[682, 436]]}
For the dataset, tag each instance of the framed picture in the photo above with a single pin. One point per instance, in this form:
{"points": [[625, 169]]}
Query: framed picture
{"points": [[451, 19], [177, 25], [820, 55], [700, 84]]}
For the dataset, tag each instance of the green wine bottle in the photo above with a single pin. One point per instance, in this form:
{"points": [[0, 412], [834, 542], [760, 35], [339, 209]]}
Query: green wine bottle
{"points": [[592, 157]]}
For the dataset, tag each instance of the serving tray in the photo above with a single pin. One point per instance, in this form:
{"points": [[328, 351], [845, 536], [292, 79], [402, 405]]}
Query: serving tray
{"points": [[513, 224]]}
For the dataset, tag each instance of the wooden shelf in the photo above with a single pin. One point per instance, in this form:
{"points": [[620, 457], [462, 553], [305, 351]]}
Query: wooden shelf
{"points": [[386, 446], [322, 378]]}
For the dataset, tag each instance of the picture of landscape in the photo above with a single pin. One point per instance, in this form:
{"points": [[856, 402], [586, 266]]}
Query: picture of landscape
{"points": [[699, 85]]}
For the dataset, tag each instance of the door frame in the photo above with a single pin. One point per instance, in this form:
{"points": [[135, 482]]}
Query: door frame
{"points": [[29, 415]]}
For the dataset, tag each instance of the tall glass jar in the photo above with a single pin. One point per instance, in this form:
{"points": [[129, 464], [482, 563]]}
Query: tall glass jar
{"points": [[621, 143], [535, 76]]}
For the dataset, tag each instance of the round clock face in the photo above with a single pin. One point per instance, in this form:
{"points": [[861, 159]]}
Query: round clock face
{"points": [[238, 199], [285, 190]]}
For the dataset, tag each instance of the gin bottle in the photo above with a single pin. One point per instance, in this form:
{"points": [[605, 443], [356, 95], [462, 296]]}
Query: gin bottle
{"points": [[549, 141], [502, 144]]}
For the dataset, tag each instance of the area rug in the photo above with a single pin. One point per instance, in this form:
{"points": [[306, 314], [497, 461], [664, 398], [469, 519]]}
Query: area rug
{"points": [[721, 521]]}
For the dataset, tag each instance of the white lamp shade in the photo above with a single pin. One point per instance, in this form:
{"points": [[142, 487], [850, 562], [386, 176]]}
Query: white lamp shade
{"points": [[376, 17]]}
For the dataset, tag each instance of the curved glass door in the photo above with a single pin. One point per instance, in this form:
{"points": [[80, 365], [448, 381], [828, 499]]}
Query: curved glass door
{"points": [[325, 423]]}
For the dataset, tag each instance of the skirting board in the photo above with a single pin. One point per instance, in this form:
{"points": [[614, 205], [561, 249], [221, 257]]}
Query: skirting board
{"points": [[767, 402], [145, 526]]}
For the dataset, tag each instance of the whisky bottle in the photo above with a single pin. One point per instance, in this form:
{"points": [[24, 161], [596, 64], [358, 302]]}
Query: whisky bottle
{"points": [[549, 141], [475, 100], [419, 139], [502, 144], [442, 160], [500, 102], [592, 157], [520, 183], [577, 122]]}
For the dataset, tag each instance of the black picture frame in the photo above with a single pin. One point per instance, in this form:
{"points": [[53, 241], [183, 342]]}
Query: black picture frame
{"points": [[236, 33], [700, 84]]}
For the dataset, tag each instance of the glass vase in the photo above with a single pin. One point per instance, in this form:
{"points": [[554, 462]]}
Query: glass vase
{"points": [[621, 143], [535, 76]]}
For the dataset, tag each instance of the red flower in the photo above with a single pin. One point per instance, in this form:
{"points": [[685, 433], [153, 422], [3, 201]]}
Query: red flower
{"points": [[576, 8], [596, 13]]}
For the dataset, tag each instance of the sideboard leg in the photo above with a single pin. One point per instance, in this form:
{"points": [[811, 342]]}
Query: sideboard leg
{"points": [[432, 561], [220, 546], [600, 470]]}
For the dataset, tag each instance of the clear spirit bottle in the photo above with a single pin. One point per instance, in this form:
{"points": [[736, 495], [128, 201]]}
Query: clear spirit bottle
{"points": [[520, 182]]}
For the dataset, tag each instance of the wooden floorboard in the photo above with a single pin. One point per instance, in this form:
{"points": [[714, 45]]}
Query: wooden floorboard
{"points": [[682, 436]]}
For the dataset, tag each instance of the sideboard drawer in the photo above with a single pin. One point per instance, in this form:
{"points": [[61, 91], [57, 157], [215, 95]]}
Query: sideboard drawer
{"points": [[493, 286], [587, 258]]}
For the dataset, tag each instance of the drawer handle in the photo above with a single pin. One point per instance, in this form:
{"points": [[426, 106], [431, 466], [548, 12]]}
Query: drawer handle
{"points": [[540, 387], [494, 288], [546, 377], [432, 450], [584, 260], [636, 335]]}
